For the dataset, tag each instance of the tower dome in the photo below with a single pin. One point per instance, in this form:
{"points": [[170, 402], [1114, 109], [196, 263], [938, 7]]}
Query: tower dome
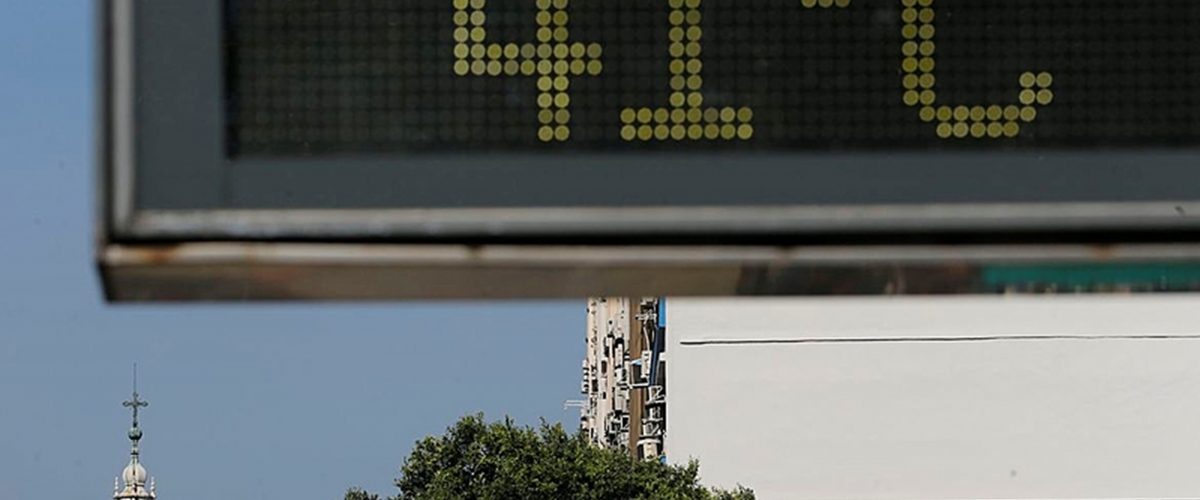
{"points": [[134, 474]]}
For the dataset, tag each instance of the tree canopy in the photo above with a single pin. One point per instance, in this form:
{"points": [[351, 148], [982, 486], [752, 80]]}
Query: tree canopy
{"points": [[357, 494], [502, 460]]}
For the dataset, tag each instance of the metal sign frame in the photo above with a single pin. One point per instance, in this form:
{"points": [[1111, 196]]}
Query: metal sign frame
{"points": [[916, 238]]}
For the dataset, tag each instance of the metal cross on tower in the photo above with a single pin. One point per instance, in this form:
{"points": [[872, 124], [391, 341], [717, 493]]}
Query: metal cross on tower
{"points": [[135, 403]]}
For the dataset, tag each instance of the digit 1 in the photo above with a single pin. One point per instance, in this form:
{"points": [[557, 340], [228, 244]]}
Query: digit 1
{"points": [[686, 118], [552, 59], [980, 121]]}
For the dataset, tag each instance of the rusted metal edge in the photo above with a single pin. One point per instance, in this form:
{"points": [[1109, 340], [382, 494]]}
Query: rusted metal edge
{"points": [[310, 271], [553, 256]]}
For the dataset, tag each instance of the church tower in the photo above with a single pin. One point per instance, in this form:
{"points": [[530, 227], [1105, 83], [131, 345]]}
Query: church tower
{"points": [[134, 476]]}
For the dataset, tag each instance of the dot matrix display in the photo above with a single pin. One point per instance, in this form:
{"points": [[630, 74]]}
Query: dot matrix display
{"points": [[994, 121], [553, 59], [337, 77]]}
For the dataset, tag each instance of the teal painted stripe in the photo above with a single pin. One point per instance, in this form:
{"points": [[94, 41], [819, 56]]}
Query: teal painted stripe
{"points": [[1089, 275]]}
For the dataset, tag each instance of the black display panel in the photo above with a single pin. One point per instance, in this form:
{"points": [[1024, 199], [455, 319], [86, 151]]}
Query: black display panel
{"points": [[335, 77]]}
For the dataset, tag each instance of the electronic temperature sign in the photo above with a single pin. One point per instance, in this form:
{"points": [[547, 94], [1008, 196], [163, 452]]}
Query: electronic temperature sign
{"points": [[668, 122], [353, 76]]}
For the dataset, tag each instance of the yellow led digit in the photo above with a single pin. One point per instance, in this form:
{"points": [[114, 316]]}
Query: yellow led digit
{"points": [[979, 121], [553, 59], [685, 117]]}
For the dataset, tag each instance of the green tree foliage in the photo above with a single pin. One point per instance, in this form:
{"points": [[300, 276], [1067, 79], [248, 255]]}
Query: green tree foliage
{"points": [[477, 460], [357, 494]]}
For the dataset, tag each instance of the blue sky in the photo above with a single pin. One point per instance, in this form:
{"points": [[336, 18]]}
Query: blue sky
{"points": [[247, 402]]}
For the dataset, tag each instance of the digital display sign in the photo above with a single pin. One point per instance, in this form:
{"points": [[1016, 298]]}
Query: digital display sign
{"points": [[380, 149], [339, 77]]}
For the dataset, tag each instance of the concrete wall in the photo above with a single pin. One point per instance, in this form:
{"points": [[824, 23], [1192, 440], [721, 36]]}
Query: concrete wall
{"points": [[889, 398]]}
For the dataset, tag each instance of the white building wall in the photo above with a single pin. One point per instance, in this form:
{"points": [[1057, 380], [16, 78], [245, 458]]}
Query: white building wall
{"points": [[938, 398]]}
